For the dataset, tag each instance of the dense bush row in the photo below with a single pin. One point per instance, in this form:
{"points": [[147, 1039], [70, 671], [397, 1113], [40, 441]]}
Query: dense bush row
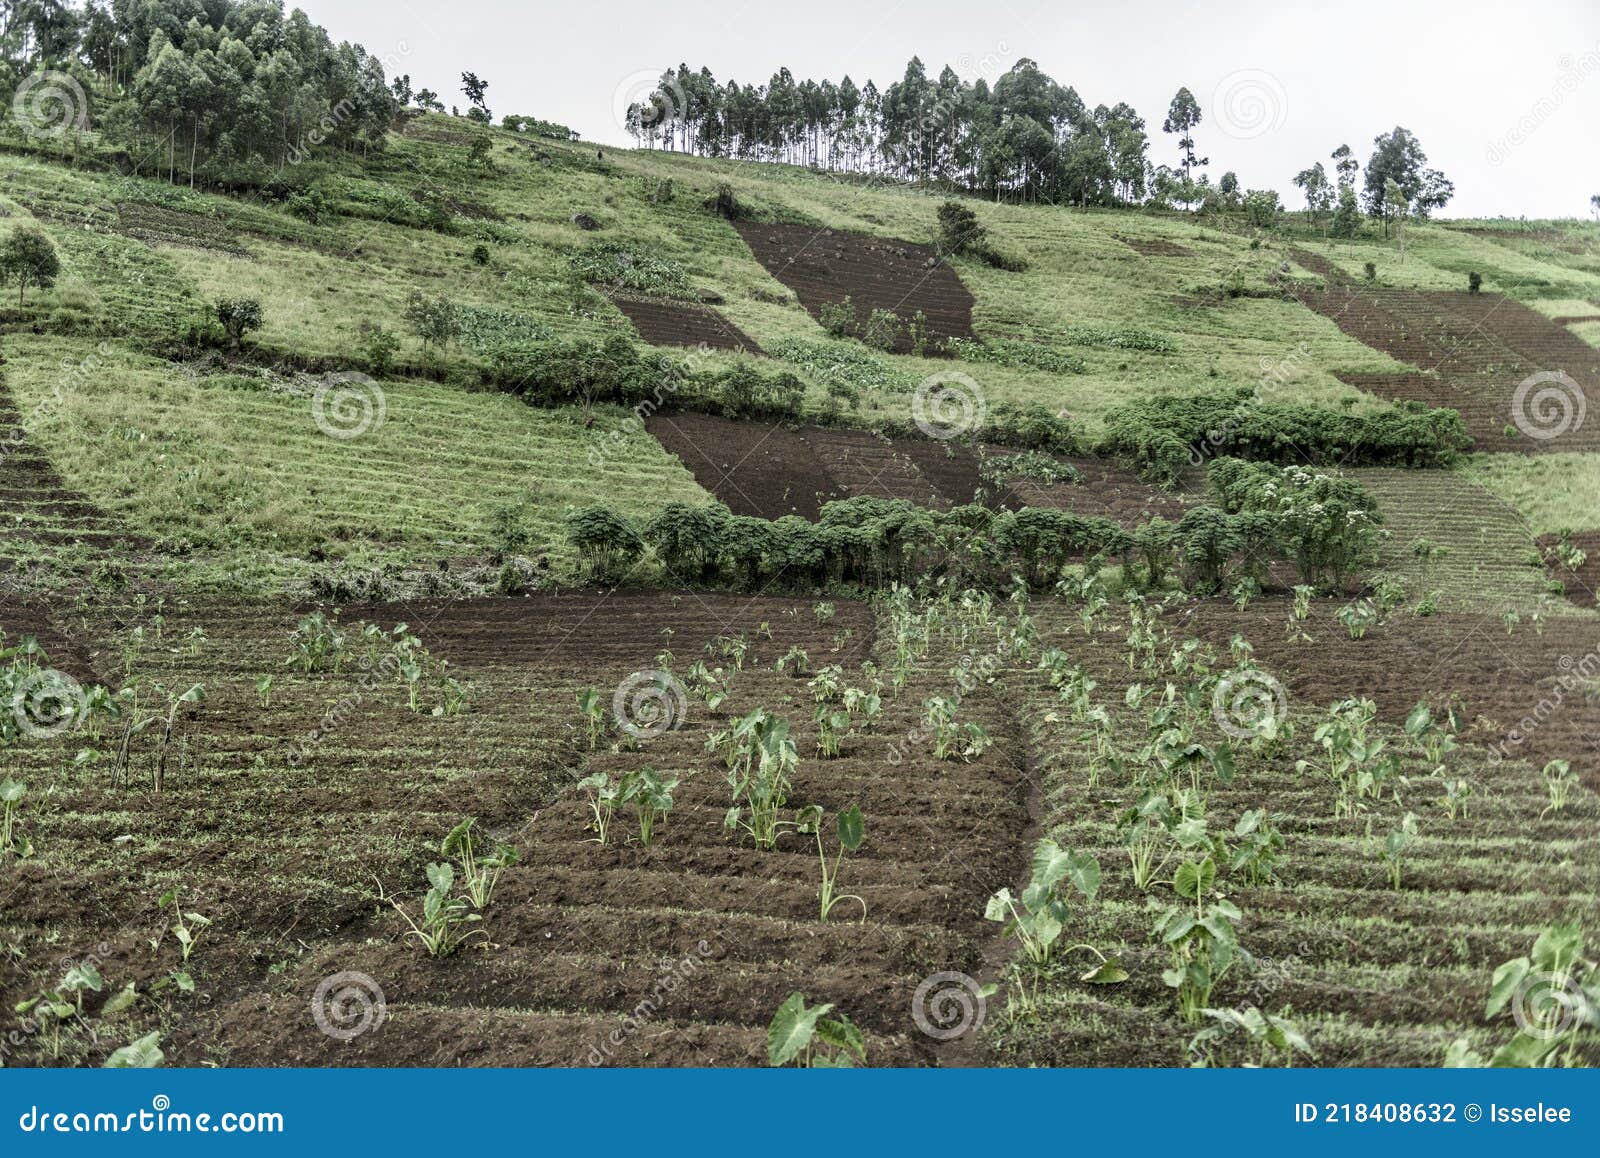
{"points": [[1328, 526], [1159, 437]]}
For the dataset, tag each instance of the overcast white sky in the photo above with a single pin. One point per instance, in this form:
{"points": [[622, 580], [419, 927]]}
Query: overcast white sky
{"points": [[1505, 98]]}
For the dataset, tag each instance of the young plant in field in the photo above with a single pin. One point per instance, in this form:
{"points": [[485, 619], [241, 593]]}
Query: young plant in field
{"points": [[1395, 846], [762, 761], [1267, 1037], [186, 927], [605, 797], [594, 713], [651, 796], [1355, 761], [143, 1054], [479, 873], [1199, 934], [317, 644], [1554, 996], [952, 739], [11, 796], [865, 705], [1357, 617], [851, 830], [264, 692], [51, 1009], [733, 648], [1037, 919], [446, 920], [827, 685], [1457, 792], [809, 1038], [1434, 742], [1259, 845], [795, 658], [833, 724], [1559, 781]]}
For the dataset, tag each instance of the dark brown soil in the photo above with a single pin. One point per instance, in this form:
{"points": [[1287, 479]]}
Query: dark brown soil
{"points": [[1582, 585], [1473, 351], [825, 266], [668, 323]]}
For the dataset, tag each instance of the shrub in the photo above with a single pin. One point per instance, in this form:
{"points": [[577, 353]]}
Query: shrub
{"points": [[1019, 355], [1120, 338], [631, 267], [377, 347], [606, 543], [434, 320], [838, 318], [959, 229], [239, 316], [1474, 282]]}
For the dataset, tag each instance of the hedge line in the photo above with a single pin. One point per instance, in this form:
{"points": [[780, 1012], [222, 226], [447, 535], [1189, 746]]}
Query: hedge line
{"points": [[1159, 437]]}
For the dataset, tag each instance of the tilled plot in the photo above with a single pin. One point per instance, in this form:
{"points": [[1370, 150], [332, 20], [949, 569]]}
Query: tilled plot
{"points": [[825, 266], [1519, 380], [291, 816], [1372, 974], [668, 323]]}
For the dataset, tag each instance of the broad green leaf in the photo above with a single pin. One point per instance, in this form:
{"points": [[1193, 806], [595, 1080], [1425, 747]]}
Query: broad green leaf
{"points": [[120, 1000], [1050, 864], [442, 876], [143, 1054], [1108, 972], [1194, 879], [1419, 721], [1084, 873], [792, 1028], [1523, 1052], [842, 1033], [1558, 947], [999, 906], [852, 828], [1504, 984]]}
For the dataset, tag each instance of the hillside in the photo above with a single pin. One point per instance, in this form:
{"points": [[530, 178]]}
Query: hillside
{"points": [[511, 490]]}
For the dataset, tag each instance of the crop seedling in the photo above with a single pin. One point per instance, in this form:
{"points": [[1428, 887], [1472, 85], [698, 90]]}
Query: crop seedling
{"points": [[479, 874], [1554, 993], [264, 691], [186, 927], [1395, 846], [1357, 617], [1200, 935], [796, 658], [1267, 1036], [651, 795], [1457, 792], [11, 841], [1259, 846], [1559, 781], [762, 763], [809, 1038], [605, 797], [446, 919], [593, 710], [1434, 742], [318, 643], [951, 739], [143, 1054], [1039, 916], [851, 830]]}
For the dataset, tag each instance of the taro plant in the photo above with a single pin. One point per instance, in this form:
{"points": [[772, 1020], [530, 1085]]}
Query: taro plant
{"points": [[446, 920], [1266, 1036], [761, 767], [1433, 741], [317, 644], [1357, 617], [593, 711], [186, 927], [11, 796], [53, 1007], [479, 873], [796, 658], [1037, 919], [1258, 846], [142, 1054], [1396, 845], [851, 830], [1199, 934], [264, 691], [604, 794], [809, 1038], [651, 795], [1554, 996], [1559, 781], [1457, 792], [951, 738]]}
